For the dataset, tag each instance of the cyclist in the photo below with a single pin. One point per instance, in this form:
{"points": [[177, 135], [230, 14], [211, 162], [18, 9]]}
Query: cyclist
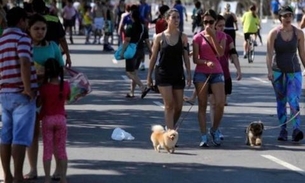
{"points": [[250, 22]]}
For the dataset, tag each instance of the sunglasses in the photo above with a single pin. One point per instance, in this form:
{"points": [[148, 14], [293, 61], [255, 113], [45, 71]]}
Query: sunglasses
{"points": [[288, 15], [209, 22]]}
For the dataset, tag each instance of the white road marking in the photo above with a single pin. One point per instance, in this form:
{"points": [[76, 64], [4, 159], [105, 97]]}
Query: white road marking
{"points": [[159, 104], [261, 80], [125, 78], [285, 164]]}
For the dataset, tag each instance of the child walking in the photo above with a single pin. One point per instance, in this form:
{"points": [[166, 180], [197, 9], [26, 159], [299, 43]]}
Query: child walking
{"points": [[54, 92]]}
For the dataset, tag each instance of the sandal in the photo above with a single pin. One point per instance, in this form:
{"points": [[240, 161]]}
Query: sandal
{"points": [[30, 177], [56, 177], [129, 96], [144, 93]]}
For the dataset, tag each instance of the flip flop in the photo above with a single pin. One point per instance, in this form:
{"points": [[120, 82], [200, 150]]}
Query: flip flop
{"points": [[144, 93], [129, 96]]}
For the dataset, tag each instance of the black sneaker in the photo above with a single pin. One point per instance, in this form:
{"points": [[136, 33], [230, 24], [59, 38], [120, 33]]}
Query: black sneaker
{"points": [[297, 135], [283, 136]]}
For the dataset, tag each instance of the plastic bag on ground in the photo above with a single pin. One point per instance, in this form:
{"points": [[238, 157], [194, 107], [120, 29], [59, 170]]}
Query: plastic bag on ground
{"points": [[120, 134]]}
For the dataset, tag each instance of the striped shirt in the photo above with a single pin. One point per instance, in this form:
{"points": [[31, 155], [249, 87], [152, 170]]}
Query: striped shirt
{"points": [[15, 44]]}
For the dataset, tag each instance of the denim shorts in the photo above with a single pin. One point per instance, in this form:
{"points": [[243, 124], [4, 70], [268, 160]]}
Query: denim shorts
{"points": [[18, 119], [202, 77]]}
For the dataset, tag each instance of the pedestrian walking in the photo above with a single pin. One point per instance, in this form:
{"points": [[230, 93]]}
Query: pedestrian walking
{"points": [[285, 43]]}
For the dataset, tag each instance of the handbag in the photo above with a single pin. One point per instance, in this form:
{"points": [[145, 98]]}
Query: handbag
{"points": [[130, 50], [79, 85]]}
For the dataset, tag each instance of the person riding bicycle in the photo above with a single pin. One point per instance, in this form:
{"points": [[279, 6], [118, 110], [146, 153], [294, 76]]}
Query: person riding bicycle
{"points": [[250, 22]]}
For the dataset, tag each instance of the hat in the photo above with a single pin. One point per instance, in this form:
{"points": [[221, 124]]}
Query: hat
{"points": [[285, 10], [14, 15]]}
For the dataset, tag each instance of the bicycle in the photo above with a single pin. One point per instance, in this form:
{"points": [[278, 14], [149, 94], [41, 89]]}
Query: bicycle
{"points": [[251, 50]]}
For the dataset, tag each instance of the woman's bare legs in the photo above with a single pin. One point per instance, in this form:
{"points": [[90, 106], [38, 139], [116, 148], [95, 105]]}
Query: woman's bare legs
{"points": [[178, 103], [169, 109], [219, 103], [202, 91]]}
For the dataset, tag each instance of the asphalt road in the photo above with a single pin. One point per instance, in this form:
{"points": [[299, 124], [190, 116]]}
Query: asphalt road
{"points": [[95, 158]]}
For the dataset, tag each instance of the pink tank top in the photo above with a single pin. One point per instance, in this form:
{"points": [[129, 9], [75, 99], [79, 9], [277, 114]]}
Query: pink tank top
{"points": [[207, 53]]}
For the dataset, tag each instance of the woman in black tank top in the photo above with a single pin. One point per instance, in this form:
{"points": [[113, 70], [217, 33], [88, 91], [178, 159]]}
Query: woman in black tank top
{"points": [[172, 47], [285, 45]]}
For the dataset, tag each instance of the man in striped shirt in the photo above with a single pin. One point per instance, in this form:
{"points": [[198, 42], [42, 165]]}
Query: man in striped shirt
{"points": [[18, 84]]}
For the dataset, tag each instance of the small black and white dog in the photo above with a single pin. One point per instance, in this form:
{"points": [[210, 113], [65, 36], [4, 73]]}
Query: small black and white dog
{"points": [[254, 133]]}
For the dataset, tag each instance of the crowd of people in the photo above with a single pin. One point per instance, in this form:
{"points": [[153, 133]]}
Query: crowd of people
{"points": [[33, 91]]}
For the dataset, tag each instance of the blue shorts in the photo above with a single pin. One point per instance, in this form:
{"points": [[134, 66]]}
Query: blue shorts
{"points": [[18, 119], [202, 77]]}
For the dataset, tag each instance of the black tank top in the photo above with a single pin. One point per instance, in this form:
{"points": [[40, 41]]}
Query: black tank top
{"points": [[229, 20], [286, 58], [171, 62]]}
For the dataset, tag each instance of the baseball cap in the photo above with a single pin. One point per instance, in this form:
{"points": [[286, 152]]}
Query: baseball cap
{"points": [[285, 10], [14, 15]]}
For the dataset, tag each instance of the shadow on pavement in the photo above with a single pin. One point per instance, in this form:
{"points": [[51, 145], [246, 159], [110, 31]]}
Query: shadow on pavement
{"points": [[137, 172]]}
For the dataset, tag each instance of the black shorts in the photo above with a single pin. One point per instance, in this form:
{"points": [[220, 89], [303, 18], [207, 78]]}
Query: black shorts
{"points": [[228, 87], [69, 23], [133, 64], [167, 80], [247, 35]]}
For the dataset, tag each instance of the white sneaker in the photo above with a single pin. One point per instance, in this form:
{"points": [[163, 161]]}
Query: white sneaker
{"points": [[115, 61]]}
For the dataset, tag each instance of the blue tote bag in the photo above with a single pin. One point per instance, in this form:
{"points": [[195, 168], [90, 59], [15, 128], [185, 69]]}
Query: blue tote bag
{"points": [[130, 50]]}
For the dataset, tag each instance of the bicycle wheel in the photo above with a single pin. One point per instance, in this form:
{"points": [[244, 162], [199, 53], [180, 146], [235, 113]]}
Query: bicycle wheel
{"points": [[250, 52]]}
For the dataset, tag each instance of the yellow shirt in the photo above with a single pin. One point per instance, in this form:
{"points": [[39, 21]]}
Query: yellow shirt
{"points": [[87, 19], [250, 23]]}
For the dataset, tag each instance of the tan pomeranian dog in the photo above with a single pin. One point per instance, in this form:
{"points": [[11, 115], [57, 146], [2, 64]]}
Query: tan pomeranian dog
{"points": [[165, 139], [254, 133]]}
